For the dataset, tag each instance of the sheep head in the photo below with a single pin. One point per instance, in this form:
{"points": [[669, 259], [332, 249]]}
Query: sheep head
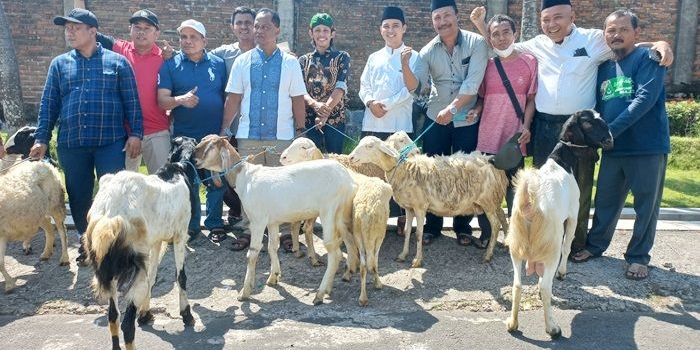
{"points": [[301, 149], [181, 149], [400, 140], [371, 149], [215, 153], [21, 141]]}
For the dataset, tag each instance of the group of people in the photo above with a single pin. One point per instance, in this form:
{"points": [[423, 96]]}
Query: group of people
{"points": [[485, 89]]}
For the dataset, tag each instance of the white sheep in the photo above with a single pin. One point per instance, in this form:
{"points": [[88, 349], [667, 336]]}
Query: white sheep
{"points": [[132, 220], [274, 195], [545, 210], [31, 195], [303, 149], [459, 184], [370, 214]]}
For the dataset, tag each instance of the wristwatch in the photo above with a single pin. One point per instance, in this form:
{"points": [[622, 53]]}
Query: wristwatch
{"points": [[453, 110], [368, 103]]}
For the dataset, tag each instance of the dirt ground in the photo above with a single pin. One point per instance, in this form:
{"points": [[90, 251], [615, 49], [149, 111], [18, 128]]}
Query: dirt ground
{"points": [[453, 278]]}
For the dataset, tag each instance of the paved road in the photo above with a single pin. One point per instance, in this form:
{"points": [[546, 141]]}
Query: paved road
{"points": [[455, 301]]}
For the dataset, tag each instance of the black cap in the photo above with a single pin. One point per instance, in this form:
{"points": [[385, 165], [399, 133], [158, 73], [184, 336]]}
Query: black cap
{"points": [[77, 16], [393, 12], [436, 4], [144, 15], [550, 3]]}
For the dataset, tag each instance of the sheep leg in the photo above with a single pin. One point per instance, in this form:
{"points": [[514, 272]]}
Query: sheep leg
{"points": [[296, 226], [569, 228], [551, 326], [363, 278], [144, 308], [273, 244], [61, 228], [256, 231], [179, 252], [355, 247], [46, 225], [374, 263], [512, 321], [9, 281], [495, 225], [407, 235], [504, 222], [113, 318], [420, 218], [129, 326], [309, 237], [332, 243]]}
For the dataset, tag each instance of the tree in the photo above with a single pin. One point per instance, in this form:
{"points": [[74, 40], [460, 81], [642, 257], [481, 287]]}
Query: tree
{"points": [[10, 86], [528, 25]]}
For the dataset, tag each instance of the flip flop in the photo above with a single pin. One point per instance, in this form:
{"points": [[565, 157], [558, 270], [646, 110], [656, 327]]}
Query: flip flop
{"points": [[217, 235], [286, 243], [241, 242], [581, 256], [633, 270], [464, 239]]}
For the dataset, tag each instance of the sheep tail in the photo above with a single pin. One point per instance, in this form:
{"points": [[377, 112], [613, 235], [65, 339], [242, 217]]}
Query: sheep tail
{"points": [[527, 215], [110, 244]]}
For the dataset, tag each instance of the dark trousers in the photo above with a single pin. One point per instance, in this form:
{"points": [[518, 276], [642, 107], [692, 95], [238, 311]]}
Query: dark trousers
{"points": [[330, 141], [547, 134], [445, 140], [644, 176]]}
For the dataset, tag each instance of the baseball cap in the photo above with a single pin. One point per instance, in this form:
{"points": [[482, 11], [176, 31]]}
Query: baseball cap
{"points": [[196, 25], [144, 15], [77, 16]]}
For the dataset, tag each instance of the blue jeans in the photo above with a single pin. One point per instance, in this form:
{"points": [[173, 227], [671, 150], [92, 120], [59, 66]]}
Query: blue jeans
{"points": [[644, 176], [214, 204], [330, 141], [445, 140], [79, 167]]}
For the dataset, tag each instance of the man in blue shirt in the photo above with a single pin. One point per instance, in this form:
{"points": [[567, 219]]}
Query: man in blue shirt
{"points": [[91, 94], [632, 99], [191, 85]]}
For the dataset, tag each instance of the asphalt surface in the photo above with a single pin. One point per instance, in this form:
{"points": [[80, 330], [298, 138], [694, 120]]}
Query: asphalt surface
{"points": [[454, 301]]}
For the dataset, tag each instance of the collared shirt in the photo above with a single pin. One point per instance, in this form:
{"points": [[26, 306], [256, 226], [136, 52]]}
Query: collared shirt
{"points": [[146, 69], [567, 71], [323, 73], [91, 99], [291, 84], [180, 75], [382, 81], [452, 75], [228, 53]]}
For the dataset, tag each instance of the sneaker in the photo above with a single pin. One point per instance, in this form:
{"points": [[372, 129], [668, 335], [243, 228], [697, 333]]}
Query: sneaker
{"points": [[194, 238]]}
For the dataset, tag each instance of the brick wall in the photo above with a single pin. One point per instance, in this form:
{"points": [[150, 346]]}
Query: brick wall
{"points": [[37, 40]]}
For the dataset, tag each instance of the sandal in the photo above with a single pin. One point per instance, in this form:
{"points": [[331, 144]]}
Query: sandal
{"points": [[241, 242], [478, 243], [636, 272], [217, 235], [464, 239], [428, 238], [286, 242], [581, 257]]}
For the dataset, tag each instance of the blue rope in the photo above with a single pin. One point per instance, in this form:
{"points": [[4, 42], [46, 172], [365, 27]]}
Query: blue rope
{"points": [[222, 174], [342, 133], [403, 152]]}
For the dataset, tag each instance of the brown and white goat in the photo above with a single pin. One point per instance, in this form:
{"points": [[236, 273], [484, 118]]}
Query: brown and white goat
{"points": [[545, 210], [31, 195], [132, 219], [274, 195]]}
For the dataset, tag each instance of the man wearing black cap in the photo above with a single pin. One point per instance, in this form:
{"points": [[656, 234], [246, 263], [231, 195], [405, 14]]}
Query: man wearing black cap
{"points": [[91, 93], [146, 58], [568, 58], [456, 60]]}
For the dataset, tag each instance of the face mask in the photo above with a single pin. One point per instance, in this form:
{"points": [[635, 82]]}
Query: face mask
{"points": [[505, 53]]}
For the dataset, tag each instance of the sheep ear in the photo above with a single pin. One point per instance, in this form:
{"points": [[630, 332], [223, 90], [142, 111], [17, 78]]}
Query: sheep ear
{"points": [[225, 157], [384, 147], [314, 153]]}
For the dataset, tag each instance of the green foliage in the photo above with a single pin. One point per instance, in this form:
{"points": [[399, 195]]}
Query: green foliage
{"points": [[684, 118], [684, 153]]}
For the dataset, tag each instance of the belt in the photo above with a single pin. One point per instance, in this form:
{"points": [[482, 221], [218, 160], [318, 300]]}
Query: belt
{"points": [[552, 117]]}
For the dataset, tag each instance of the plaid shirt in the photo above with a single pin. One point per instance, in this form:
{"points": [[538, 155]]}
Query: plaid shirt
{"points": [[91, 99]]}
